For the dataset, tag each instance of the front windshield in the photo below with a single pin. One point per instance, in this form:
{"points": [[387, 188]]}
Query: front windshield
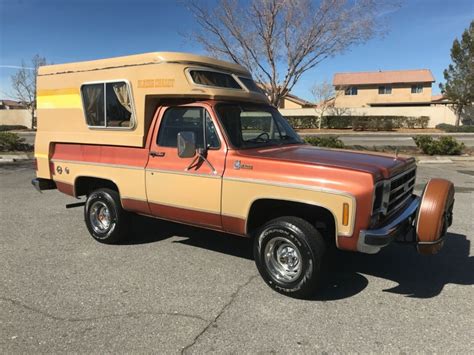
{"points": [[252, 126]]}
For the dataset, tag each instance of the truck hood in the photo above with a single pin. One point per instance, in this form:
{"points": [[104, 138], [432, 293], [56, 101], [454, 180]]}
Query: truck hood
{"points": [[379, 165]]}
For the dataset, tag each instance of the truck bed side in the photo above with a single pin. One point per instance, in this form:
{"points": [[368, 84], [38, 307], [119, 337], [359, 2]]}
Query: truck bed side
{"points": [[124, 166]]}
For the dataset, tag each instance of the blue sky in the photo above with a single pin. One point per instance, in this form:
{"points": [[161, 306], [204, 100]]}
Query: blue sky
{"points": [[420, 35]]}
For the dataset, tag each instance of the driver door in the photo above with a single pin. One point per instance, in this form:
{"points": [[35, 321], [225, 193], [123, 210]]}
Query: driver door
{"points": [[177, 189]]}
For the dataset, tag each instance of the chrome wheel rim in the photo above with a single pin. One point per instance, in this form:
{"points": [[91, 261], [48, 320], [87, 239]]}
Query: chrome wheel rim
{"points": [[99, 216], [283, 259]]}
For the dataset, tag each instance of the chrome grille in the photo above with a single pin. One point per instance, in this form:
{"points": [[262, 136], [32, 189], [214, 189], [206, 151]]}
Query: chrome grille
{"points": [[401, 188]]}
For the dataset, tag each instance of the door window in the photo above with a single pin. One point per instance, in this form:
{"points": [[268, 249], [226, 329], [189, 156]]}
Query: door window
{"points": [[187, 119]]}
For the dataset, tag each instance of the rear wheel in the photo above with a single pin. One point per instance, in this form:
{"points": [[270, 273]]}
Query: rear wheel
{"points": [[105, 218], [289, 253]]}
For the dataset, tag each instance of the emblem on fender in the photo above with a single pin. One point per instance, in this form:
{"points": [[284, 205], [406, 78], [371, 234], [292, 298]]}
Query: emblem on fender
{"points": [[238, 165]]}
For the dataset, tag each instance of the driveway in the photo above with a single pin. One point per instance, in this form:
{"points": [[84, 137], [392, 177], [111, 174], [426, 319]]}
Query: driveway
{"points": [[179, 289]]}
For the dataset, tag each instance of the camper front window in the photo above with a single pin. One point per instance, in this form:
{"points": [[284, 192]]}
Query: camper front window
{"points": [[107, 105], [214, 79]]}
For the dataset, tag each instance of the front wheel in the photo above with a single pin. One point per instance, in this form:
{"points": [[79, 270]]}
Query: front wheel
{"points": [[105, 219], [289, 253]]}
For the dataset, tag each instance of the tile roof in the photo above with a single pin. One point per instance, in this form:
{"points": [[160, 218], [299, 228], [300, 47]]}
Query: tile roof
{"points": [[12, 103], [383, 77], [439, 97], [298, 100]]}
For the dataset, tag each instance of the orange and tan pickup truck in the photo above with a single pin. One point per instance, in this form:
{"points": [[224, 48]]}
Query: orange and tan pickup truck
{"points": [[192, 139]]}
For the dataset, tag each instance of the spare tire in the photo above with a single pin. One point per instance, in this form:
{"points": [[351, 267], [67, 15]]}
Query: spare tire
{"points": [[435, 215]]}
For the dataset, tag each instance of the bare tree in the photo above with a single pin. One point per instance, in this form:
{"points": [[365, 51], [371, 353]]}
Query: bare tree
{"points": [[24, 84], [324, 95], [279, 40], [340, 111]]}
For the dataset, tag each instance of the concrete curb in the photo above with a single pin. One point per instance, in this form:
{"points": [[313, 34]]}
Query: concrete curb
{"points": [[440, 159], [11, 158], [30, 133], [434, 161]]}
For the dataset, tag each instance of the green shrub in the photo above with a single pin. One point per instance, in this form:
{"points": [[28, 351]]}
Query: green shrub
{"points": [[325, 141], [359, 123], [423, 121], [445, 145], [6, 127], [304, 122], [366, 123], [12, 142], [337, 122], [451, 128]]}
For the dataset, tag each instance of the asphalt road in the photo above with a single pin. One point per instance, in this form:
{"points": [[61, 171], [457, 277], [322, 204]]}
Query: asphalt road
{"points": [[369, 139], [174, 288]]}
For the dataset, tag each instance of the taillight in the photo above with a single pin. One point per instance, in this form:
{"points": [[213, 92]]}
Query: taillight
{"points": [[51, 168], [36, 164]]}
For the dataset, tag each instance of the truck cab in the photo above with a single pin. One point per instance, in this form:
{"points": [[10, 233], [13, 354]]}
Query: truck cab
{"points": [[193, 140]]}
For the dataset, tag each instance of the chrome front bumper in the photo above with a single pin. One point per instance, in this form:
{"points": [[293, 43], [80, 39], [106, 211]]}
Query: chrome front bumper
{"points": [[372, 240]]}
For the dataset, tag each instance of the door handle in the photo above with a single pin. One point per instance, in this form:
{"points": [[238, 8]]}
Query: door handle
{"points": [[157, 154]]}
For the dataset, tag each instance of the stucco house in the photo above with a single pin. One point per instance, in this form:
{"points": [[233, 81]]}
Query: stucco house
{"points": [[11, 105], [291, 101], [384, 88], [14, 113]]}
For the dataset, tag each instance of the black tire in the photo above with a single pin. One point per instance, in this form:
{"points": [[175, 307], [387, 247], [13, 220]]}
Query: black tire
{"points": [[284, 239], [106, 201]]}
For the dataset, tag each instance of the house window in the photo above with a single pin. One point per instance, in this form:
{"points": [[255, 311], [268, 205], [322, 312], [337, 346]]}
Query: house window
{"points": [[416, 89], [107, 105], [351, 91], [213, 78], [385, 90]]}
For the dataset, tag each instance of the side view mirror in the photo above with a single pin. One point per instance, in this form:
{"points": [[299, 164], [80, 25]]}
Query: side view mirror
{"points": [[186, 144]]}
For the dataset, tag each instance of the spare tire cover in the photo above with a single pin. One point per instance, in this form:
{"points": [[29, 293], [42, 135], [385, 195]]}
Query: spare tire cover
{"points": [[434, 215]]}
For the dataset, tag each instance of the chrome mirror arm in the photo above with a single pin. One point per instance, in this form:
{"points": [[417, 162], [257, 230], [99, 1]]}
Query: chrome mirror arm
{"points": [[201, 157]]}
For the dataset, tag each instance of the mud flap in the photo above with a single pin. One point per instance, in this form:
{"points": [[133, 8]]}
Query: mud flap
{"points": [[435, 215]]}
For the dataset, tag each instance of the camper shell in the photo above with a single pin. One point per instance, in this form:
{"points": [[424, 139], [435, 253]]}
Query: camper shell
{"points": [[149, 79]]}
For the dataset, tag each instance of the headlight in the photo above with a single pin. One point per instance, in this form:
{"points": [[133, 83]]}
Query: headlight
{"points": [[380, 200], [378, 196]]}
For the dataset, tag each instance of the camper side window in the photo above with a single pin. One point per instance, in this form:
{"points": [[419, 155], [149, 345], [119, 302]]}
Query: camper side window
{"points": [[107, 105]]}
